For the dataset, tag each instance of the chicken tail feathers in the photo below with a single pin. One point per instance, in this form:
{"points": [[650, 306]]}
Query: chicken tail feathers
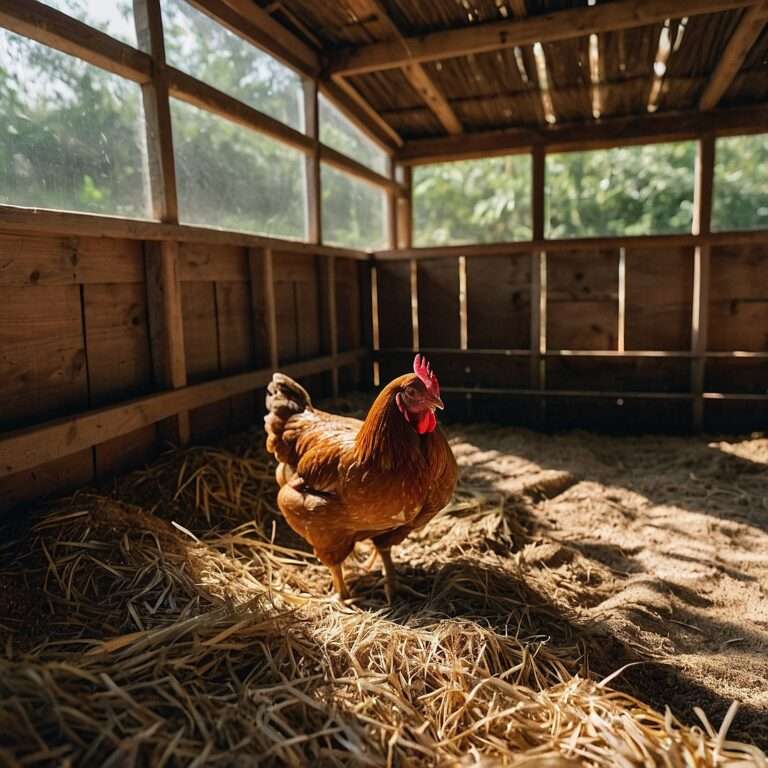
{"points": [[285, 398]]}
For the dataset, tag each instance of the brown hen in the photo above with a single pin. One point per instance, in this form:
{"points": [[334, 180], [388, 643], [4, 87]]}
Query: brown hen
{"points": [[343, 480]]}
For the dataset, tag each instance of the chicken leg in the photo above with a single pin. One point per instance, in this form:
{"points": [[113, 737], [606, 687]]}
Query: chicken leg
{"points": [[390, 574], [337, 572]]}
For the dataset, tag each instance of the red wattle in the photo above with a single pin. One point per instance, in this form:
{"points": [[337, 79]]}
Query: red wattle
{"points": [[426, 423]]}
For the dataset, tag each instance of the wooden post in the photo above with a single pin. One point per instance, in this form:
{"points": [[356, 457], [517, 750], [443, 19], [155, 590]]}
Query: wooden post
{"points": [[405, 240], [312, 164], [538, 274], [270, 311], [333, 331], [392, 210], [702, 219], [161, 259]]}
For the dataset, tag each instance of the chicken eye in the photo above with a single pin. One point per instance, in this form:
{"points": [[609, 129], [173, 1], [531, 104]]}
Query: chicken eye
{"points": [[410, 391]]}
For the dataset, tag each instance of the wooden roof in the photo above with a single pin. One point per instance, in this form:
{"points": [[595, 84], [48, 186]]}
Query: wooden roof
{"points": [[433, 68]]}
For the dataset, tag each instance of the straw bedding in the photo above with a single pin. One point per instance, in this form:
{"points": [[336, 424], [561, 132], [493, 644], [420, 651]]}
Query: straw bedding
{"points": [[173, 619]]}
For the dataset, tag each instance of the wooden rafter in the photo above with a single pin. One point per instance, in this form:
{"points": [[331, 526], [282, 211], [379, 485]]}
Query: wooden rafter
{"points": [[602, 134], [546, 28], [744, 37], [245, 18], [418, 77]]}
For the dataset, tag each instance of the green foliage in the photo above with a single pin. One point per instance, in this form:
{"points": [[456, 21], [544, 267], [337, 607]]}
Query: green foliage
{"points": [[474, 201], [72, 136], [627, 191], [741, 183]]}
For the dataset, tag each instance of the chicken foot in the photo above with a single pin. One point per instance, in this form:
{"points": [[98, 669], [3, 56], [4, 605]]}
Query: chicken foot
{"points": [[390, 574], [337, 572]]}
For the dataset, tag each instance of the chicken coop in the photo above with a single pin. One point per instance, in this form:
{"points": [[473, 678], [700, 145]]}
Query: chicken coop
{"points": [[563, 204]]}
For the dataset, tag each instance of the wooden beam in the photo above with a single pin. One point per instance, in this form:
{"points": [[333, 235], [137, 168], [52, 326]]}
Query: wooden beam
{"points": [[538, 271], [314, 228], [433, 97], [575, 244], [405, 212], [331, 319], [157, 111], [200, 94], [418, 77], [58, 30], [245, 19], [545, 28], [163, 288], [270, 308], [166, 330], [44, 222], [361, 113], [29, 448], [743, 39], [598, 134], [702, 219], [344, 163]]}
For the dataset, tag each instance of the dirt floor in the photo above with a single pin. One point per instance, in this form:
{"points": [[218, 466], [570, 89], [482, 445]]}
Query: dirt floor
{"points": [[172, 617], [658, 543]]}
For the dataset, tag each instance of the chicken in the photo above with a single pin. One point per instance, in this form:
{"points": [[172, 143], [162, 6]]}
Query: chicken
{"points": [[343, 480]]}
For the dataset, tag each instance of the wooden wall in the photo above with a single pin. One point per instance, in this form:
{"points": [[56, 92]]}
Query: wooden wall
{"points": [[75, 336], [605, 341]]}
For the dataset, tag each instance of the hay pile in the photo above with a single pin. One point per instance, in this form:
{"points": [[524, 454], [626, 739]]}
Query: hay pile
{"points": [[174, 620]]}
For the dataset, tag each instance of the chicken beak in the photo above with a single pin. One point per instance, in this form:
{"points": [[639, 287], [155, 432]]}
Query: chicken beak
{"points": [[435, 402]]}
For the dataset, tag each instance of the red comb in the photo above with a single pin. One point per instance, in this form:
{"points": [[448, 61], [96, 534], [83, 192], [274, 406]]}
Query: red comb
{"points": [[423, 370]]}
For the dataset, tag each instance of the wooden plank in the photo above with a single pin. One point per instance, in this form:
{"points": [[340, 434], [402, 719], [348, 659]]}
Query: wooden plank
{"points": [[331, 317], [236, 343], [544, 28], [55, 29], [63, 475], [360, 112], [394, 291], [438, 295], [619, 374], [38, 222], [582, 299], [32, 447], [117, 340], [702, 218], [344, 163], [499, 302], [157, 112], [740, 44], [42, 354], [119, 365], [602, 134], [264, 348], [187, 88], [166, 329], [258, 27], [737, 310], [207, 263], [199, 315], [126, 453], [28, 260], [348, 304], [384, 26], [659, 293], [538, 190]]}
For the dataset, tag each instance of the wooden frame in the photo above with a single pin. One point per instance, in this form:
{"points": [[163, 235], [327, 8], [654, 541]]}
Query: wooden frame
{"points": [[29, 448], [545, 28]]}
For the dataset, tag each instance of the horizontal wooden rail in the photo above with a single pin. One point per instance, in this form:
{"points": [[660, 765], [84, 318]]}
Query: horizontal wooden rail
{"points": [[193, 91], [746, 237], [604, 354], [544, 28], [28, 448], [58, 30], [45, 222], [575, 393], [602, 134]]}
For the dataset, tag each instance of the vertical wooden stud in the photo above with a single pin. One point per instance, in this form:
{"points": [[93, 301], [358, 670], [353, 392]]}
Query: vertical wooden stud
{"points": [[702, 220], [314, 200], [333, 331], [538, 273], [166, 329], [161, 267], [392, 207]]}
